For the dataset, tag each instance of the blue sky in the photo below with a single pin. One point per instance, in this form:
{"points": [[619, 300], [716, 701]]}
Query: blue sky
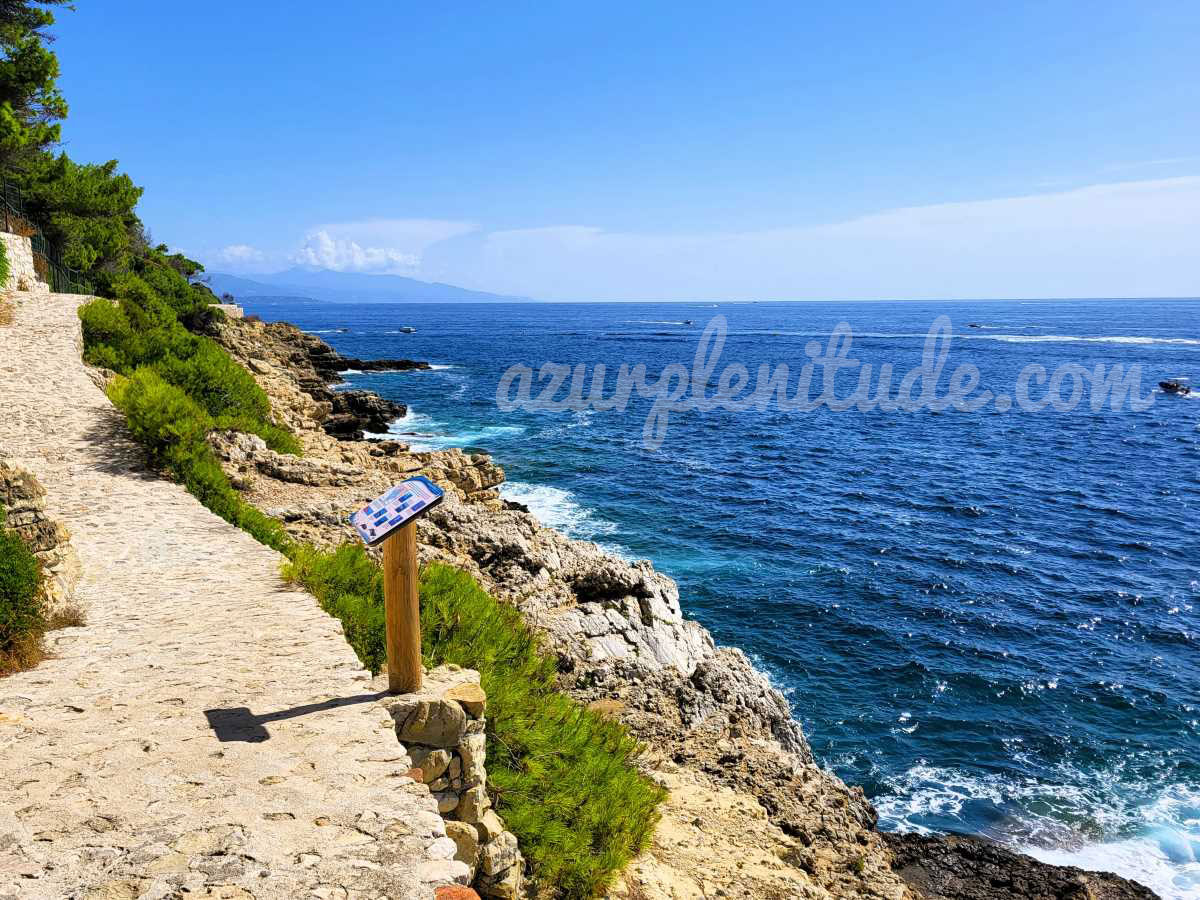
{"points": [[669, 150]]}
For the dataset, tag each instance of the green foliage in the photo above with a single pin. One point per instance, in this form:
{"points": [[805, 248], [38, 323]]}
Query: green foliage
{"points": [[30, 102], [143, 330], [563, 777], [173, 427], [350, 587], [85, 211], [21, 620], [3, 263]]}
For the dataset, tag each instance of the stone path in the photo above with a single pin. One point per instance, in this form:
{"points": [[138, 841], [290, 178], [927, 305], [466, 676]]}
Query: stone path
{"points": [[208, 733]]}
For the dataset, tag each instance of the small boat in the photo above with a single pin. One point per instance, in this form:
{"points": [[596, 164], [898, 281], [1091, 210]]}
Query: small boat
{"points": [[687, 321], [407, 329], [974, 325], [1175, 386], [343, 331]]}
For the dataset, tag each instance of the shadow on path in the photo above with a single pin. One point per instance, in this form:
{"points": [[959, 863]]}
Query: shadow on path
{"points": [[238, 723]]}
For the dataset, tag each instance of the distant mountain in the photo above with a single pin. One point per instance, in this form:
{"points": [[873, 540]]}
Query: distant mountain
{"points": [[325, 284]]}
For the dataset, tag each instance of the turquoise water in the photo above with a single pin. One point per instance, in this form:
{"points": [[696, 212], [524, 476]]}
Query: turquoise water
{"points": [[987, 619]]}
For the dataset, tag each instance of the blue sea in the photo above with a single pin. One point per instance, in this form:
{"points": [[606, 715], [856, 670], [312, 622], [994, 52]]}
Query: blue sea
{"points": [[990, 620]]}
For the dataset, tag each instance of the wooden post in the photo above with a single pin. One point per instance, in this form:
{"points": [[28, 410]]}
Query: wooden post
{"points": [[402, 609]]}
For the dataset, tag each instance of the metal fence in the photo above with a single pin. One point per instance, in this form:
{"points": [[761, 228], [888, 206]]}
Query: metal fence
{"points": [[62, 279]]}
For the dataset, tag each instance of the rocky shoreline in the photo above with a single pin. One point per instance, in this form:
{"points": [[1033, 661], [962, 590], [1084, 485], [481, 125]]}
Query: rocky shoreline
{"points": [[743, 780]]}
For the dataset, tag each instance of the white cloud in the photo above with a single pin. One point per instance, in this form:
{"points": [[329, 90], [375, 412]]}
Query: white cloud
{"points": [[1132, 238], [391, 246], [324, 251], [239, 255]]}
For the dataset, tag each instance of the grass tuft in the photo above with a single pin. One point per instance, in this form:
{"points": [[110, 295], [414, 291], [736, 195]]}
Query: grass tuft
{"points": [[21, 621], [563, 777]]}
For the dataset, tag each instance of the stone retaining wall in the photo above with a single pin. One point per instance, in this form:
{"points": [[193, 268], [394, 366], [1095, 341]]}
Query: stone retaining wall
{"points": [[23, 500], [442, 729], [22, 276]]}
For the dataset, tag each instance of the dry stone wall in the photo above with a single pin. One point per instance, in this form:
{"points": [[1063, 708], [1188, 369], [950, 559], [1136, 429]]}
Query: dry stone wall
{"points": [[442, 728], [22, 275], [24, 502]]}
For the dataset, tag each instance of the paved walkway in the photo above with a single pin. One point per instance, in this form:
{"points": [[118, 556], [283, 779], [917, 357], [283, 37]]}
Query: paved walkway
{"points": [[208, 733]]}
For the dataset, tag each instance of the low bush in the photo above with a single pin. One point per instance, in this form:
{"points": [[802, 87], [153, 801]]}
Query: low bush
{"points": [[563, 777], [21, 620], [143, 331], [173, 427]]}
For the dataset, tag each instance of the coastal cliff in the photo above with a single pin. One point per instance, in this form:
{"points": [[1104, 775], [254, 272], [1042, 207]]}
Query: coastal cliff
{"points": [[750, 813]]}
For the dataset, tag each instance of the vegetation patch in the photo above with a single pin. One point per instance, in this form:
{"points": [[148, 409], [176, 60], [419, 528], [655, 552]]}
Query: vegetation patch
{"points": [[563, 777], [175, 386], [21, 621], [173, 427]]}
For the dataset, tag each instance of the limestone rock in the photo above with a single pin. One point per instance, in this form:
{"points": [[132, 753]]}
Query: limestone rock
{"points": [[498, 854], [473, 803], [242, 454], [489, 826], [506, 885], [439, 723], [24, 503], [473, 751], [470, 695], [466, 839], [966, 868], [355, 412], [431, 763], [609, 709]]}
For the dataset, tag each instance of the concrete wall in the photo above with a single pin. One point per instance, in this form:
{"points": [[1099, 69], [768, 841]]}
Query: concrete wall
{"points": [[22, 276]]}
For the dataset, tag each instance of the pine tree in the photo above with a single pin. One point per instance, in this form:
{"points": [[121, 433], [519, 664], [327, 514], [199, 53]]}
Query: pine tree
{"points": [[31, 105]]}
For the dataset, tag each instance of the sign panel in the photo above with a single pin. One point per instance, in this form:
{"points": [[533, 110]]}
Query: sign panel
{"points": [[376, 521]]}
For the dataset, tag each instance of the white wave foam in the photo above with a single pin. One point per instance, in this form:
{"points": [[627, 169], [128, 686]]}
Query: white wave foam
{"points": [[771, 675], [423, 433], [441, 367], [410, 424], [558, 509], [350, 372], [1141, 859], [1156, 843]]}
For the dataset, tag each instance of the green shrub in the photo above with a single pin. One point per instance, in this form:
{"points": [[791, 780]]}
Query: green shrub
{"points": [[21, 619], [563, 777], [173, 427], [86, 211], [143, 331], [3, 263]]}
